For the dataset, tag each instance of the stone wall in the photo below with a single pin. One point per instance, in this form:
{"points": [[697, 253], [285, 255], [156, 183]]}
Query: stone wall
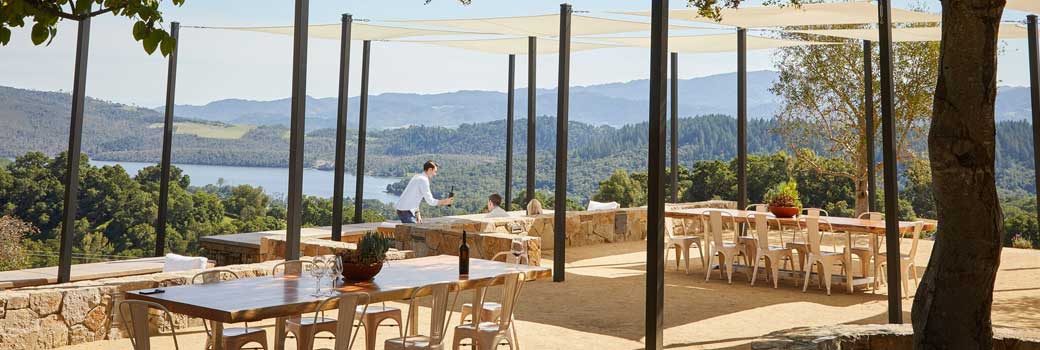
{"points": [[227, 254], [875, 337], [51, 316], [430, 241]]}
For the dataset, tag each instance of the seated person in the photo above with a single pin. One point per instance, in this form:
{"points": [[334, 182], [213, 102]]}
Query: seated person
{"points": [[494, 207]]}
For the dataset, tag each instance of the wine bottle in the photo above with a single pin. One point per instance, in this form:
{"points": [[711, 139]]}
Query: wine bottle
{"points": [[451, 193], [464, 256]]}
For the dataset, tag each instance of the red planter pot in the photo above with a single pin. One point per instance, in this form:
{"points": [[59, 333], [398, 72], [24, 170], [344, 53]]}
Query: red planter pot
{"points": [[361, 272], [783, 212]]}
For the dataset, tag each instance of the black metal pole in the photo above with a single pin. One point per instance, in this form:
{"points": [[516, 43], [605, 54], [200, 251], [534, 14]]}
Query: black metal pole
{"points": [[359, 195], [509, 132], [167, 146], [79, 86], [1034, 94], [341, 127], [888, 132], [868, 104], [562, 110], [296, 131], [741, 118], [532, 86], [675, 128], [656, 180]]}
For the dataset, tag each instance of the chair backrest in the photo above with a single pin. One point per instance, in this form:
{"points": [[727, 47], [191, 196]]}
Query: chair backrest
{"points": [[817, 212], [761, 227], [512, 285], [669, 227], [347, 306], [812, 233], [293, 267], [918, 226], [871, 215], [212, 276], [439, 314], [715, 221], [138, 340], [757, 207]]}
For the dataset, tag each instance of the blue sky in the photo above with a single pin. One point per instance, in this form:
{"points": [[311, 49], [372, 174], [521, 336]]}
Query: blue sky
{"points": [[223, 64]]}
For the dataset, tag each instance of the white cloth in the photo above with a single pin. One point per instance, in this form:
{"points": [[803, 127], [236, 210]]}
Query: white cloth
{"points": [[417, 190], [498, 212], [594, 205], [174, 262]]}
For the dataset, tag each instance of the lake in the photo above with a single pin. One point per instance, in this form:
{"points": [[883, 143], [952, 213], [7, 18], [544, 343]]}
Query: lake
{"points": [[275, 181]]}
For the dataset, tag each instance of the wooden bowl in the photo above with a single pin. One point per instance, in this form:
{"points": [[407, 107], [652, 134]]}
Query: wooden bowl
{"points": [[361, 272], [783, 212]]}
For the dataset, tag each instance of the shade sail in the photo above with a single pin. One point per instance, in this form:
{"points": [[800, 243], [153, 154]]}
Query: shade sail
{"points": [[711, 43], [540, 26], [358, 31], [1024, 5], [1007, 31], [807, 14], [510, 45]]}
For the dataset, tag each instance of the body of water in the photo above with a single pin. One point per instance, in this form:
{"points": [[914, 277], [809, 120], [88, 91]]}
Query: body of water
{"points": [[275, 181]]}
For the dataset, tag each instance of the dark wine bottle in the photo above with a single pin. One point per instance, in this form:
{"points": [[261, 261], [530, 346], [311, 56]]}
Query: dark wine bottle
{"points": [[451, 193], [464, 256]]}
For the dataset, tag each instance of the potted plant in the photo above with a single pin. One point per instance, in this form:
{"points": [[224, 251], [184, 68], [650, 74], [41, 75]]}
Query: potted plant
{"points": [[363, 263], [783, 200]]}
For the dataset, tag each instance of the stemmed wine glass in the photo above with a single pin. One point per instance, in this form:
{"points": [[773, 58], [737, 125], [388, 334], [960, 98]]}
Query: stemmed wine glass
{"points": [[317, 271], [517, 248], [335, 268]]}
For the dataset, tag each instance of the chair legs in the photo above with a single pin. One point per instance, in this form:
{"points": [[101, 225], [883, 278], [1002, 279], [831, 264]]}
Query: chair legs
{"points": [[371, 323]]}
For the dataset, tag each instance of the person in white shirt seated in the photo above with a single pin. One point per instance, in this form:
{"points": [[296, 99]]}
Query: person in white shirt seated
{"points": [[418, 190], [494, 207]]}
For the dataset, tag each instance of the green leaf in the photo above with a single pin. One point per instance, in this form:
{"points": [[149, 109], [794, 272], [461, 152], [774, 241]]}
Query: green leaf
{"points": [[168, 44], [5, 35], [39, 33], [152, 41], [140, 30]]}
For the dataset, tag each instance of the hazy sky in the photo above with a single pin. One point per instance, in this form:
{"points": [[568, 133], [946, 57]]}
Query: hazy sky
{"points": [[216, 64]]}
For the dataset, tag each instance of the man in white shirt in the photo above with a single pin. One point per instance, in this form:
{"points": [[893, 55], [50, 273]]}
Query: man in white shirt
{"points": [[494, 207], [418, 189]]}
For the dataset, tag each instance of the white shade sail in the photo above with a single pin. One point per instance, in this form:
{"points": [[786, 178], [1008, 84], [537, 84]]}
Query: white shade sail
{"points": [[358, 31], [1024, 5], [711, 43], [540, 26], [806, 14], [1007, 31], [508, 46]]}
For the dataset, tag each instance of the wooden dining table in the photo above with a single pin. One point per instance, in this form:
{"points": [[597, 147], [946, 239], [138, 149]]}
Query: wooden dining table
{"points": [[272, 297], [875, 229]]}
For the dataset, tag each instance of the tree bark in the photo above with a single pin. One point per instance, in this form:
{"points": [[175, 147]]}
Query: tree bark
{"points": [[952, 307]]}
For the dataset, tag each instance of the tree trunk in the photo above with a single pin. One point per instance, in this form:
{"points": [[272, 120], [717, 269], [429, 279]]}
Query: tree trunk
{"points": [[952, 307], [860, 185]]}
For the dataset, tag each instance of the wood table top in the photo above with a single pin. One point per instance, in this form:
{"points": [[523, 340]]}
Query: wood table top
{"points": [[258, 298], [839, 223]]}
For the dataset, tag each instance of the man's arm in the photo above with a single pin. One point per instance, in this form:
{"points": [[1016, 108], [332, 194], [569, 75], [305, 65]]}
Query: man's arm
{"points": [[430, 199]]}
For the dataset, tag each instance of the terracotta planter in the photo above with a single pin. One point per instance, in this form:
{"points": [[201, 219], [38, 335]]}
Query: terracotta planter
{"points": [[783, 212], [361, 272]]}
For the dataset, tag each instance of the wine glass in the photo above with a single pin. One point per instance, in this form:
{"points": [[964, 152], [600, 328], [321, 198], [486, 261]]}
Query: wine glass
{"points": [[517, 248], [335, 268], [317, 271]]}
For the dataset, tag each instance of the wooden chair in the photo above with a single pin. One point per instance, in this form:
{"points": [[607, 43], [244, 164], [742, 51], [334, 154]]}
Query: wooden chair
{"points": [[907, 266], [682, 245], [487, 335], [773, 255], [138, 327], [726, 251], [825, 260], [347, 305], [233, 338], [440, 315], [864, 254], [302, 328]]}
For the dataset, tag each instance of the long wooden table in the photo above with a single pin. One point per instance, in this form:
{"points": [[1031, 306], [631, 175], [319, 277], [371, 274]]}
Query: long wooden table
{"points": [[254, 299], [874, 228]]}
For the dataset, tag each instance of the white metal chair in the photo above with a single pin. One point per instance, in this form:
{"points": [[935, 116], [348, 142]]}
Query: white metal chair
{"points": [[487, 335], [440, 316], [492, 309], [825, 260], [682, 245], [347, 304], [726, 251], [864, 254], [303, 328], [773, 255], [803, 247], [235, 337], [138, 326], [907, 266]]}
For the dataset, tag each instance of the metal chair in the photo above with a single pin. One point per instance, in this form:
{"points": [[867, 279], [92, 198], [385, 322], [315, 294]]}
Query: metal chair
{"points": [[825, 260], [302, 328], [233, 338], [440, 317], [138, 327], [864, 254], [772, 255], [907, 265], [682, 245], [344, 330], [486, 335], [726, 251]]}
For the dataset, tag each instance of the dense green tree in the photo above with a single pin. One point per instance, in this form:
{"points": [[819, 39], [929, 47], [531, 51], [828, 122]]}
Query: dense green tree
{"points": [[711, 179], [622, 189]]}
